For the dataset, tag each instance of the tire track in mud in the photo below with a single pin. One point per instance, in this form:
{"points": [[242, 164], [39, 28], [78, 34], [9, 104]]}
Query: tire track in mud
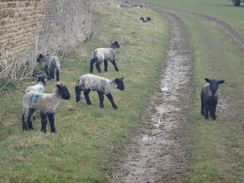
{"points": [[157, 153]]}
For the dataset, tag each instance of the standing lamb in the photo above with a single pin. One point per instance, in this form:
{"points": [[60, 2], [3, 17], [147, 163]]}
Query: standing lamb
{"points": [[104, 55], [51, 65], [209, 98], [41, 82], [46, 103], [102, 85]]}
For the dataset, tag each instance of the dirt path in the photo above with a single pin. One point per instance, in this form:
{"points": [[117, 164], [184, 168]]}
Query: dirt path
{"points": [[158, 154]]}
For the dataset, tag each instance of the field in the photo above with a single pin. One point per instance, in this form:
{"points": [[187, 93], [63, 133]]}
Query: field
{"points": [[89, 140]]}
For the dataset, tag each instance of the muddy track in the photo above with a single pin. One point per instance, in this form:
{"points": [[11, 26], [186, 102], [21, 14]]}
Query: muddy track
{"points": [[157, 153]]}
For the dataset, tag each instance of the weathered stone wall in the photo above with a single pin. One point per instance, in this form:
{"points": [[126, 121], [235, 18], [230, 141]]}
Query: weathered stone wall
{"points": [[31, 27]]}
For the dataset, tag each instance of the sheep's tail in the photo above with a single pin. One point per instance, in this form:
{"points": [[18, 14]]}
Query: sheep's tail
{"points": [[77, 93], [93, 60]]}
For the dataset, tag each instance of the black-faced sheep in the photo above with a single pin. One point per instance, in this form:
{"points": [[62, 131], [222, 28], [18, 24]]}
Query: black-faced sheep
{"points": [[104, 55], [209, 98], [46, 103], [102, 85], [41, 82], [51, 65]]}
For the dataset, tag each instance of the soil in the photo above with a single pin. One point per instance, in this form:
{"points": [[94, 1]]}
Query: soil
{"points": [[158, 151]]}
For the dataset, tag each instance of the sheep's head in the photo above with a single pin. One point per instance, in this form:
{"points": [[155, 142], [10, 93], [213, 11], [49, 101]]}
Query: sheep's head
{"points": [[43, 79], [214, 84], [64, 92], [40, 58], [114, 45], [120, 83]]}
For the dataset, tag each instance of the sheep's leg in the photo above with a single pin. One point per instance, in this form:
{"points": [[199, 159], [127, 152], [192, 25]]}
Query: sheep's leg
{"points": [[206, 112], [57, 75], [101, 98], [24, 120], [115, 65], [86, 94], [110, 97], [44, 121], [77, 93], [105, 65], [202, 108], [212, 112], [46, 69], [91, 64], [52, 73], [30, 118], [98, 67], [51, 122]]}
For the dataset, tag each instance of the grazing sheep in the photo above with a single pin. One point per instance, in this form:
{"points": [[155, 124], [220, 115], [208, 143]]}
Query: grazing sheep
{"points": [[209, 98], [46, 103], [104, 55], [102, 85], [41, 82], [51, 65]]}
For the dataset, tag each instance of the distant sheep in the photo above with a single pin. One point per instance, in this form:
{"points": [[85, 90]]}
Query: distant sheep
{"points": [[145, 20], [209, 98], [41, 82], [102, 85], [51, 65], [46, 103], [104, 55]]}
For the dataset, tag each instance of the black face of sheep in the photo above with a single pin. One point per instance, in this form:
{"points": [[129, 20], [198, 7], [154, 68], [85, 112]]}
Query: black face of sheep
{"points": [[64, 92], [120, 83], [40, 58], [209, 98], [43, 79], [114, 45]]}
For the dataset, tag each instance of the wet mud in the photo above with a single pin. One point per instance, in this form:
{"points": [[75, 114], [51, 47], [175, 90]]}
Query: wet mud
{"points": [[157, 153]]}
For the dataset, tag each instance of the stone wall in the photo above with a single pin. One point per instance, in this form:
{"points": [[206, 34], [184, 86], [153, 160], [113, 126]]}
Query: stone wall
{"points": [[31, 27]]}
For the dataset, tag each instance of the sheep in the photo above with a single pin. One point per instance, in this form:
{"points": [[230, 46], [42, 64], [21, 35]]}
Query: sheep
{"points": [[104, 55], [102, 85], [41, 82], [209, 98], [46, 103], [143, 20], [51, 64]]}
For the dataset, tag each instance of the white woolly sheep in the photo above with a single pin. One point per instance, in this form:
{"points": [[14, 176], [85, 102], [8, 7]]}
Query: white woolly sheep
{"points": [[104, 55], [209, 98], [51, 65], [41, 82], [102, 85], [46, 103]]}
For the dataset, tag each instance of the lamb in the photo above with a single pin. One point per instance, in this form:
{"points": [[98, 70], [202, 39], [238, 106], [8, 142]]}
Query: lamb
{"points": [[41, 82], [51, 64], [209, 98], [102, 85], [104, 55], [46, 103]]}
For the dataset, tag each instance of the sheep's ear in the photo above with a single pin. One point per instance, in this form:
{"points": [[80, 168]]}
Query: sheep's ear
{"points": [[35, 76], [207, 80], [221, 82], [58, 86]]}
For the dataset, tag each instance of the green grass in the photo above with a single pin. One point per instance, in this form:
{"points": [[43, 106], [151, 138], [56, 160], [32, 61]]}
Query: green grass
{"points": [[88, 137]]}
